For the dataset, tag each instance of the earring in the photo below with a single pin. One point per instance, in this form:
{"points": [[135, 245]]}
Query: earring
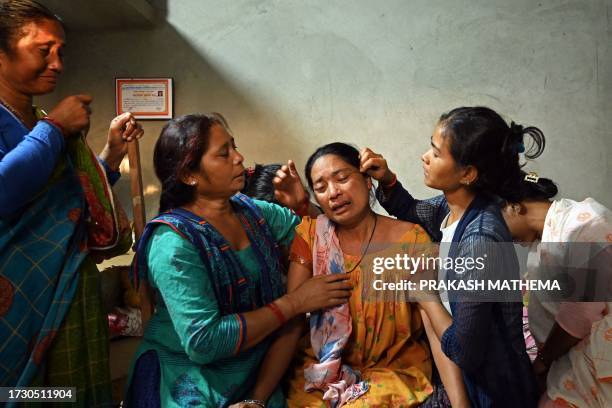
{"points": [[193, 182]]}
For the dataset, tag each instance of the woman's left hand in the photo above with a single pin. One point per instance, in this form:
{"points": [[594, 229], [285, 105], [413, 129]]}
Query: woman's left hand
{"points": [[122, 130]]}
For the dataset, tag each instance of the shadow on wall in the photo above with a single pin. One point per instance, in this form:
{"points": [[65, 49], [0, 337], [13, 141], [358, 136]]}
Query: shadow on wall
{"points": [[291, 76], [160, 6], [94, 59]]}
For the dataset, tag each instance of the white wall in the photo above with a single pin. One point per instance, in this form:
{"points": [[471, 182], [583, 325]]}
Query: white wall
{"points": [[292, 75]]}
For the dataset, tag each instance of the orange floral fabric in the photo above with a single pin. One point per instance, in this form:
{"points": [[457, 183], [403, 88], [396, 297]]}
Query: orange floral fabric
{"points": [[387, 344]]}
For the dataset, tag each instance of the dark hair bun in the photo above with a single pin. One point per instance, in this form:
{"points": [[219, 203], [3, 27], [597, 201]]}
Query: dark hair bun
{"points": [[258, 182]]}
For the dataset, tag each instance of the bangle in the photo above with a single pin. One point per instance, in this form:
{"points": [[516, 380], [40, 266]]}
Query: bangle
{"points": [[302, 211], [54, 123], [277, 312], [259, 403], [392, 183]]}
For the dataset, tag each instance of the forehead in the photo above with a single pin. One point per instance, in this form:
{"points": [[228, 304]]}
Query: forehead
{"points": [[42, 31], [326, 166], [439, 139], [218, 136]]}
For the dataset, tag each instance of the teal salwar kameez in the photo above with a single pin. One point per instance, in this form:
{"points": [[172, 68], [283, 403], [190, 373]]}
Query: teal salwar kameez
{"points": [[197, 329]]}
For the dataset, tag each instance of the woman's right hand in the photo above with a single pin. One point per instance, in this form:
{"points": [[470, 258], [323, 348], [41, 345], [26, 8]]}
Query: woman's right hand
{"points": [[320, 292], [288, 187], [72, 114], [375, 166]]}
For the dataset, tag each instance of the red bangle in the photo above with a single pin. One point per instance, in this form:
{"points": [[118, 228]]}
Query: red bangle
{"points": [[392, 183], [303, 210], [54, 123], [277, 312]]}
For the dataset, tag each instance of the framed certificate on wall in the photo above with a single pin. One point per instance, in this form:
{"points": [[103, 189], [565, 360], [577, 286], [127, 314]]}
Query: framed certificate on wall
{"points": [[146, 98]]}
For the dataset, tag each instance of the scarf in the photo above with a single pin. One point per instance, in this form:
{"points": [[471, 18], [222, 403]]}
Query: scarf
{"points": [[330, 329]]}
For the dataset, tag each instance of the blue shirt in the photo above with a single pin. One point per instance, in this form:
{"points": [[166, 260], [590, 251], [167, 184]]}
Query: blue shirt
{"points": [[485, 338], [27, 160]]}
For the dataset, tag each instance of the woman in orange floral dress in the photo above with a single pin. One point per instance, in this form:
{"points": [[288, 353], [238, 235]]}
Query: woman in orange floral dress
{"points": [[371, 351]]}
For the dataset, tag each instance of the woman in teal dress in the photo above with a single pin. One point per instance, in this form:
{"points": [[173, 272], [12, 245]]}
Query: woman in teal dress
{"points": [[212, 260]]}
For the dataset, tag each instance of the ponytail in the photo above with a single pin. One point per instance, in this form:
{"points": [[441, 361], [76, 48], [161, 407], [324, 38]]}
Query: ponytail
{"points": [[516, 136]]}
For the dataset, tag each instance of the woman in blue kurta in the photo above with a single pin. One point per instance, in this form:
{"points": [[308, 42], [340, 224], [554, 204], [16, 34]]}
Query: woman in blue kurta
{"points": [[213, 263], [52, 327], [474, 158]]}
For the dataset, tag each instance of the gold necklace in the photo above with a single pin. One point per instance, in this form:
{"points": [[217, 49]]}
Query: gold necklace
{"points": [[365, 251]]}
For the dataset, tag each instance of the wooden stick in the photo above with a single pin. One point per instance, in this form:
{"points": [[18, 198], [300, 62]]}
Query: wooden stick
{"points": [[138, 210], [137, 190]]}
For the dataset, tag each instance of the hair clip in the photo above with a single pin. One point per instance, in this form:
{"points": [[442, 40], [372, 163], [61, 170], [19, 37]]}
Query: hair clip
{"points": [[250, 171], [532, 177]]}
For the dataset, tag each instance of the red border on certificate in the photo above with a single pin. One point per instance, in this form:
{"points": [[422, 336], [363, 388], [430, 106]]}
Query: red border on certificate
{"points": [[146, 98]]}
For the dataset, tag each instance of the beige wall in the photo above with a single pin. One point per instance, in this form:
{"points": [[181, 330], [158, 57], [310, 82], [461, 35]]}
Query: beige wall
{"points": [[292, 75]]}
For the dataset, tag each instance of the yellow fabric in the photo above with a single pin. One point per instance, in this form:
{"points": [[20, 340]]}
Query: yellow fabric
{"points": [[387, 344]]}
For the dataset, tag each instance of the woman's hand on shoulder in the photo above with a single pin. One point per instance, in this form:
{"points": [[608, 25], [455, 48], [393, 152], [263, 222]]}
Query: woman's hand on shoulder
{"points": [[72, 114], [375, 166]]}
